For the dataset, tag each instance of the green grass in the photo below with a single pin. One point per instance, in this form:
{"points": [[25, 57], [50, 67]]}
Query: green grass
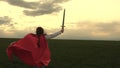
{"points": [[72, 54]]}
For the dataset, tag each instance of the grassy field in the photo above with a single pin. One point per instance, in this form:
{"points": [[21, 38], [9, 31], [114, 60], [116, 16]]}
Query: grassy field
{"points": [[72, 54]]}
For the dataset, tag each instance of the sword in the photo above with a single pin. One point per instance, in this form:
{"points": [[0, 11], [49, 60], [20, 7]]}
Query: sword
{"points": [[63, 20]]}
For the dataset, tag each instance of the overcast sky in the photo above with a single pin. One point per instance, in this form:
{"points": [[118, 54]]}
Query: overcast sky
{"points": [[85, 19]]}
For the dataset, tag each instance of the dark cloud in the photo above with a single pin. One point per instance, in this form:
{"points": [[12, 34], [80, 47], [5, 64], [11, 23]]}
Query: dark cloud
{"points": [[46, 8], [38, 8], [22, 3], [60, 1], [5, 20]]}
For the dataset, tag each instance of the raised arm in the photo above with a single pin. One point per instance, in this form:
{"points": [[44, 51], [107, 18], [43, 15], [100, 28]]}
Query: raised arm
{"points": [[59, 32], [53, 35]]}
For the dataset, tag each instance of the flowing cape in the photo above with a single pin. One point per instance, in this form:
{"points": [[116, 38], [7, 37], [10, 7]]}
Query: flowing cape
{"points": [[27, 50]]}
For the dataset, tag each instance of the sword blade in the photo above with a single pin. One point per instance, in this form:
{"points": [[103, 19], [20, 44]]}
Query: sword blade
{"points": [[63, 19]]}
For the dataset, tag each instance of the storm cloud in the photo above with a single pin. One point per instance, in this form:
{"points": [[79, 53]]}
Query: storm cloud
{"points": [[46, 8], [38, 8], [5, 20], [22, 3]]}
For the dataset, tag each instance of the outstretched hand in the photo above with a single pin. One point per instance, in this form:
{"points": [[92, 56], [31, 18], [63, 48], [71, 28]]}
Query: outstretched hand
{"points": [[62, 30]]}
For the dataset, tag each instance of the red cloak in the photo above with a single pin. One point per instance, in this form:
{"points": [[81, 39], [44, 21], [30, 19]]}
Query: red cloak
{"points": [[28, 51]]}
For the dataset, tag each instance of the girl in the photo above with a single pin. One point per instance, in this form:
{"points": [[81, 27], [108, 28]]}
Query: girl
{"points": [[33, 48]]}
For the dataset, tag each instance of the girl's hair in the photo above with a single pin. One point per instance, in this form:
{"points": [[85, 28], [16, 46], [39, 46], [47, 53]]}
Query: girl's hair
{"points": [[39, 31]]}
